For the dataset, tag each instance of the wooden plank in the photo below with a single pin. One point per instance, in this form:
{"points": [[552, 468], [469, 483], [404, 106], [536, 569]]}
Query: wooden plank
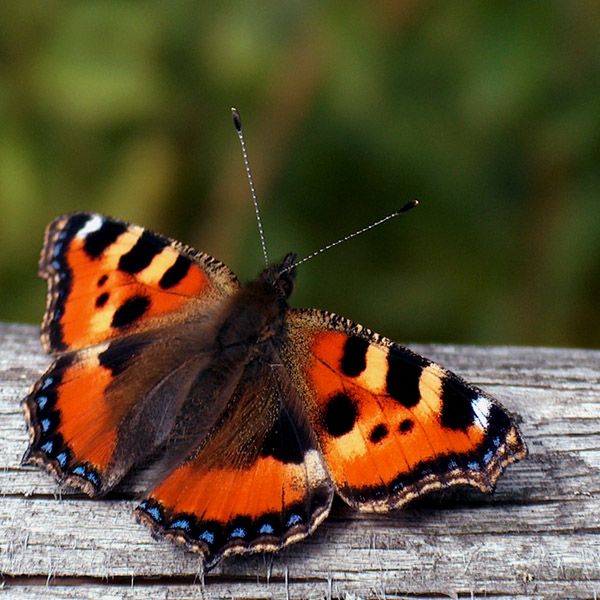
{"points": [[536, 537]]}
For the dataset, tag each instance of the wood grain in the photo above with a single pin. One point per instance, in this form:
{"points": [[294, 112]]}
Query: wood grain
{"points": [[538, 536]]}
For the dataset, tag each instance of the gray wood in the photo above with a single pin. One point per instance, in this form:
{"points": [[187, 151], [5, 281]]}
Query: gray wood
{"points": [[536, 537]]}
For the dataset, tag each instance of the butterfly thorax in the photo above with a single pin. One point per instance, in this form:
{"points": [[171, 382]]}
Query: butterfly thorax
{"points": [[255, 314]]}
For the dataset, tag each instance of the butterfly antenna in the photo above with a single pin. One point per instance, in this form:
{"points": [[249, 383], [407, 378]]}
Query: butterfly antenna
{"points": [[408, 206], [237, 123]]}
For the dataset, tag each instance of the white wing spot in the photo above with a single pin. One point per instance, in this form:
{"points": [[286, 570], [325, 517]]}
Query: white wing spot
{"points": [[92, 224], [481, 408]]}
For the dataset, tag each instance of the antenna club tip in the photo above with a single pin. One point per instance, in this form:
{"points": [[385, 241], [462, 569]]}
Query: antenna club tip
{"points": [[237, 120], [408, 206]]}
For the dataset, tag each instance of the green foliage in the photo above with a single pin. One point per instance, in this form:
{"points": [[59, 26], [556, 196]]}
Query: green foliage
{"points": [[486, 112]]}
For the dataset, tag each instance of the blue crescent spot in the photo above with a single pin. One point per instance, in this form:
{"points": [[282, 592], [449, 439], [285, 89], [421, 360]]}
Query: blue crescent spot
{"points": [[47, 382], [41, 401], [208, 537], [266, 529], [92, 477], [180, 524], [293, 520], [397, 486], [496, 442], [154, 512], [452, 465], [62, 458], [487, 457], [79, 470], [45, 425], [47, 446], [238, 532], [473, 465]]}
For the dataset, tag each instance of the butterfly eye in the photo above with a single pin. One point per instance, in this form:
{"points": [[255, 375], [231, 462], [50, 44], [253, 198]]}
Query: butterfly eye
{"points": [[285, 285]]}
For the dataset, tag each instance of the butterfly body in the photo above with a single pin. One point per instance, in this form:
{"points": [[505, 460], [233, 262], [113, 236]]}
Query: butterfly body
{"points": [[255, 412], [257, 311]]}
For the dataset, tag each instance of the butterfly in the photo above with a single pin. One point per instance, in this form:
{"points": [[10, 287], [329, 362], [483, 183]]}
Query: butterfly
{"points": [[255, 413]]}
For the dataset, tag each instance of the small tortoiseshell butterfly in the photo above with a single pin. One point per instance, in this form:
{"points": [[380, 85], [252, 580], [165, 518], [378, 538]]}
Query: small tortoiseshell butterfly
{"points": [[256, 412]]}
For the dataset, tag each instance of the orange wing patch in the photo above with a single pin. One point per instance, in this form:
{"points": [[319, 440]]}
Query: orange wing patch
{"points": [[108, 278], [390, 423], [191, 489], [220, 505], [74, 439], [98, 411]]}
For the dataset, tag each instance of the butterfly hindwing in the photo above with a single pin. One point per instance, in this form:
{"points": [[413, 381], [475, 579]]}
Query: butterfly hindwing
{"points": [[107, 278], [55, 411], [390, 423], [257, 483], [98, 411]]}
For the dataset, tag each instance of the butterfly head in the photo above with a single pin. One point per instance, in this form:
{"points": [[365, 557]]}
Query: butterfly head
{"points": [[281, 276]]}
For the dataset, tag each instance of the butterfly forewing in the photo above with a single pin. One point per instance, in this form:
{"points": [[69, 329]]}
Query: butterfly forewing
{"points": [[107, 279], [390, 423]]}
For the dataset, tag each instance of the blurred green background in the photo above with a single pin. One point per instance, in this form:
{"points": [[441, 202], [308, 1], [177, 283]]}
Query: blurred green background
{"points": [[489, 113]]}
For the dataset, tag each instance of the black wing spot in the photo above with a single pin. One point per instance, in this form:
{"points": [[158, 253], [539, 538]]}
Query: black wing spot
{"points": [[404, 373], [340, 415], [102, 299], [286, 441], [378, 433], [457, 404], [175, 273], [98, 241], [142, 253], [131, 310], [120, 354], [354, 358], [406, 425]]}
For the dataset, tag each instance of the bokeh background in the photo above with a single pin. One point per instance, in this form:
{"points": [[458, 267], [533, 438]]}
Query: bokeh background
{"points": [[489, 113]]}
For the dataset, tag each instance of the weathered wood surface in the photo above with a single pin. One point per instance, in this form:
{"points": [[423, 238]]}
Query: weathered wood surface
{"points": [[538, 536]]}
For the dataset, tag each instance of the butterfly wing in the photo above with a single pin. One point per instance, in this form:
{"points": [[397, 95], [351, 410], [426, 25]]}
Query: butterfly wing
{"points": [[107, 278], [391, 424], [98, 411], [119, 301], [256, 484]]}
